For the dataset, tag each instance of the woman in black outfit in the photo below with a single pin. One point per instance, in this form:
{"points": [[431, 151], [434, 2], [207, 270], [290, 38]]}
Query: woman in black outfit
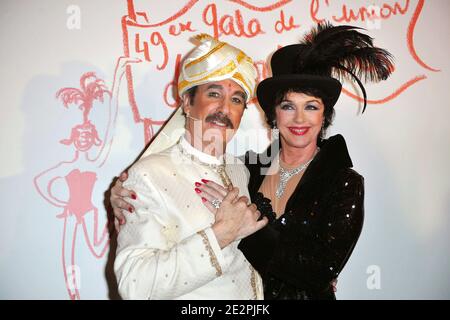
{"points": [[303, 183], [308, 189], [301, 252]]}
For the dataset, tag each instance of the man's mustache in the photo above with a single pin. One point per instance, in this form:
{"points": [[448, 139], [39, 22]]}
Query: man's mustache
{"points": [[220, 117]]}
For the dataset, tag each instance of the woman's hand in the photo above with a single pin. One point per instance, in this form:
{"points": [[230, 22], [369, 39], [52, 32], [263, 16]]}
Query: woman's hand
{"points": [[334, 285], [118, 202], [235, 217], [209, 191]]}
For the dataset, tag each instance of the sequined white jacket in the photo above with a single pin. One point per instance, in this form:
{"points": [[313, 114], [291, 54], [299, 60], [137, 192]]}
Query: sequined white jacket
{"points": [[167, 249]]}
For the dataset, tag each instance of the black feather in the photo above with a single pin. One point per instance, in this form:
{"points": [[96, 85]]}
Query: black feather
{"points": [[343, 52]]}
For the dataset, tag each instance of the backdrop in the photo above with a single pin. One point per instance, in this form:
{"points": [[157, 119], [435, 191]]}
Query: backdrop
{"points": [[74, 115]]}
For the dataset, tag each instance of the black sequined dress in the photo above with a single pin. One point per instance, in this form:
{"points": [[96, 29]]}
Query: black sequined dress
{"points": [[299, 254]]}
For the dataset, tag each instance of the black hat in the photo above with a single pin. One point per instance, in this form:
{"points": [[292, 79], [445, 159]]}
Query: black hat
{"points": [[325, 53]]}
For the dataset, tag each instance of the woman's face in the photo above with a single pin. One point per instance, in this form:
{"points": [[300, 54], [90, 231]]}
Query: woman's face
{"points": [[299, 119]]}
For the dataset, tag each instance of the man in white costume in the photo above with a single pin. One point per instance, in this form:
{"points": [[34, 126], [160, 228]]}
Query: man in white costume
{"points": [[172, 246]]}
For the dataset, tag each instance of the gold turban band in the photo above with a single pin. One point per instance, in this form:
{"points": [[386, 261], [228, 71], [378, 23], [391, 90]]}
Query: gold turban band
{"points": [[212, 60]]}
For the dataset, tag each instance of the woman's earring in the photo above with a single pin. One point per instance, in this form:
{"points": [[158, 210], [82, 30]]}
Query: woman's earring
{"points": [[322, 131], [275, 131]]}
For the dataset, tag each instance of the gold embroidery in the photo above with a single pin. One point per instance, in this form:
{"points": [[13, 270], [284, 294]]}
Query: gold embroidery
{"points": [[212, 256], [253, 282], [227, 69], [238, 76], [224, 176]]}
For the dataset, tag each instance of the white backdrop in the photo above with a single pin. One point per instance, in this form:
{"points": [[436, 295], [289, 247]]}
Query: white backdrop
{"points": [[52, 189]]}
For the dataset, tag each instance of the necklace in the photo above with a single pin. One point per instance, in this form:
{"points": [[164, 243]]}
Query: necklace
{"points": [[286, 174], [219, 168]]}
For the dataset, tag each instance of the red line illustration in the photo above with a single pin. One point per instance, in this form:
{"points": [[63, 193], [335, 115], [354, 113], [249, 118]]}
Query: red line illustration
{"points": [[410, 36], [271, 7], [80, 173], [234, 26], [181, 12], [391, 96], [363, 14], [148, 124]]}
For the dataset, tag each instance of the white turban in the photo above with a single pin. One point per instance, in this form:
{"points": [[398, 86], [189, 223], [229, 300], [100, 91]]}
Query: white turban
{"points": [[212, 60]]}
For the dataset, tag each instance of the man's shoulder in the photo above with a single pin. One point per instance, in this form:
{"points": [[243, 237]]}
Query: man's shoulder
{"points": [[232, 159], [155, 162]]}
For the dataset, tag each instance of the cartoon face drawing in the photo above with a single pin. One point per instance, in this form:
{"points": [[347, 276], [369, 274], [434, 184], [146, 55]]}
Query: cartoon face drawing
{"points": [[83, 137]]}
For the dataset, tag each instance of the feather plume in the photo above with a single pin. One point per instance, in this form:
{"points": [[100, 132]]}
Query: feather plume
{"points": [[343, 52]]}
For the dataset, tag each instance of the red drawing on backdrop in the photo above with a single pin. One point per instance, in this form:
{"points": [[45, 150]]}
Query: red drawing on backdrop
{"points": [[281, 25], [236, 25], [155, 40], [182, 27], [171, 86], [230, 25], [386, 11], [80, 173], [155, 45], [270, 7]]}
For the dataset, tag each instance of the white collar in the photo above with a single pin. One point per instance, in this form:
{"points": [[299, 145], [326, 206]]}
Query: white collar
{"points": [[203, 157]]}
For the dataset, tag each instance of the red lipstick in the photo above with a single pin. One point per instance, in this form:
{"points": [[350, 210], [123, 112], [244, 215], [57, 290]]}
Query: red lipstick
{"points": [[299, 131]]}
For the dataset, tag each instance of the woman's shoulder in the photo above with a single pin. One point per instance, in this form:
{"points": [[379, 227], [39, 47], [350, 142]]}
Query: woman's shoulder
{"points": [[350, 180], [350, 175]]}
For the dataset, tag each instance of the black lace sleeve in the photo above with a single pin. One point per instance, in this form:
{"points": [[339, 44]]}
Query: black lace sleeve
{"points": [[258, 248], [316, 256], [264, 206]]}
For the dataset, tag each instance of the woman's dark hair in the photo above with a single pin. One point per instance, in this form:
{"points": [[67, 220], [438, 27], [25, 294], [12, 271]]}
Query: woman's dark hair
{"points": [[328, 111]]}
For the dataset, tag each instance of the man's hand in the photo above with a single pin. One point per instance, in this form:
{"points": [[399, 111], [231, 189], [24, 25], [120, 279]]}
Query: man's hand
{"points": [[235, 219], [334, 284]]}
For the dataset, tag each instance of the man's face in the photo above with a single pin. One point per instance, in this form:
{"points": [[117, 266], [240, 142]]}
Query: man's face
{"points": [[215, 112]]}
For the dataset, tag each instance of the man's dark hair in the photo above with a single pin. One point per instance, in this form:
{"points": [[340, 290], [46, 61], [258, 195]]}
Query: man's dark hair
{"points": [[192, 91]]}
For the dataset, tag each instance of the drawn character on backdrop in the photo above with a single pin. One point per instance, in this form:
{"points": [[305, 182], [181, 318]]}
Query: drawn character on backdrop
{"points": [[80, 173]]}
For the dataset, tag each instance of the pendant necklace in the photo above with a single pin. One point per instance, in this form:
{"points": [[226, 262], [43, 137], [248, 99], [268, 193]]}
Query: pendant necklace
{"points": [[286, 174]]}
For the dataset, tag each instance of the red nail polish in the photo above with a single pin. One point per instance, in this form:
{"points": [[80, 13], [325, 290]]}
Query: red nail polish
{"points": [[205, 181], [198, 190], [130, 209], [204, 200], [198, 184], [133, 196]]}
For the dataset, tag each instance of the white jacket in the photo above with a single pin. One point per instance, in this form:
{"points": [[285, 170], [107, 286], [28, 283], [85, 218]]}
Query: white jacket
{"points": [[167, 249]]}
